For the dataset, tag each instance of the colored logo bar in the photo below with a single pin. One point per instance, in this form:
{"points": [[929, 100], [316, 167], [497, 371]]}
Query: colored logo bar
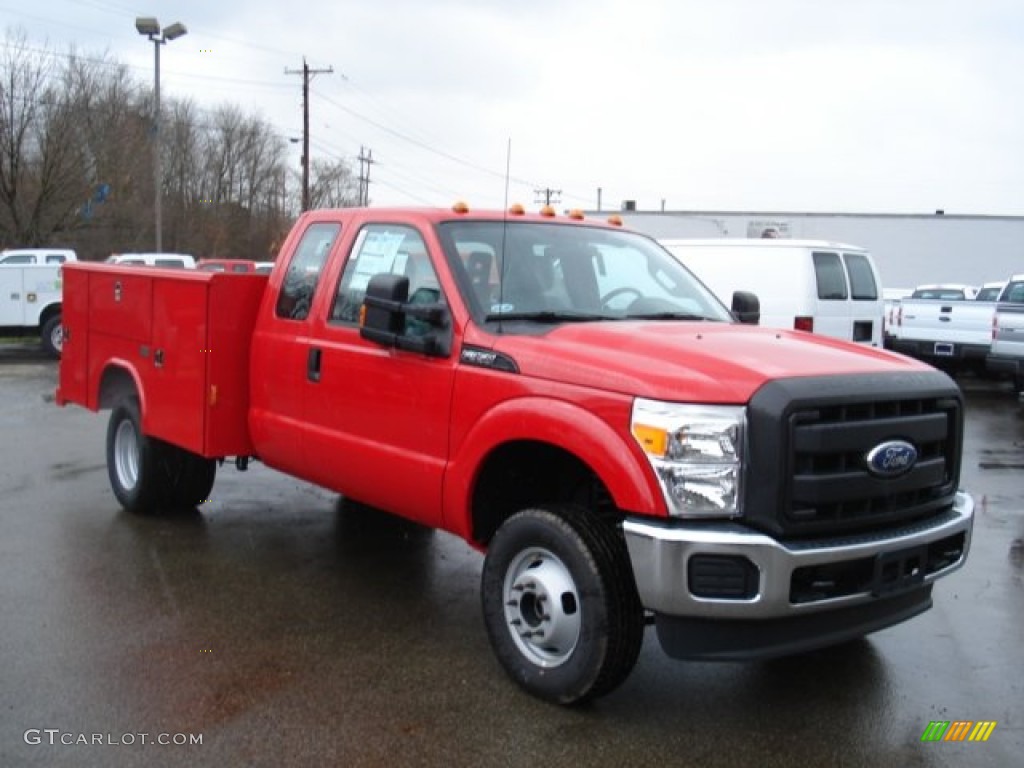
{"points": [[958, 730]]}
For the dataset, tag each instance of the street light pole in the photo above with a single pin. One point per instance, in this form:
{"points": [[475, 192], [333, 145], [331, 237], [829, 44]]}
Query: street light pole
{"points": [[150, 27]]}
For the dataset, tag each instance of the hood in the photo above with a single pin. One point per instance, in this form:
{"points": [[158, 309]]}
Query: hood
{"points": [[704, 362]]}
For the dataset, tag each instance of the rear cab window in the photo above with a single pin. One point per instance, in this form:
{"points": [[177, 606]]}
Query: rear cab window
{"points": [[1013, 293], [304, 270]]}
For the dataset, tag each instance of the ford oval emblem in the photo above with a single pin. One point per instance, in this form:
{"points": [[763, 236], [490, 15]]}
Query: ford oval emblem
{"points": [[891, 458]]}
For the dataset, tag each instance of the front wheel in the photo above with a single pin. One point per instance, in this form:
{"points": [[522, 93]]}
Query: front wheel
{"points": [[560, 604]]}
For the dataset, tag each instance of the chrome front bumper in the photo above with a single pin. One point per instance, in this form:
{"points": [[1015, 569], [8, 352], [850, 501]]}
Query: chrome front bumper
{"points": [[660, 552]]}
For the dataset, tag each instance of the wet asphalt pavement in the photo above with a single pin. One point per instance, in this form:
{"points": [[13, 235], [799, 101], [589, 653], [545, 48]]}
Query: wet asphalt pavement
{"points": [[282, 627]]}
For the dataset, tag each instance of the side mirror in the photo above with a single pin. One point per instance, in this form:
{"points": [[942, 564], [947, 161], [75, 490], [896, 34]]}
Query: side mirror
{"points": [[746, 307], [386, 311]]}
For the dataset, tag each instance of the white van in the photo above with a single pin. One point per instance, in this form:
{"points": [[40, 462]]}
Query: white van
{"points": [[171, 260], [809, 285]]}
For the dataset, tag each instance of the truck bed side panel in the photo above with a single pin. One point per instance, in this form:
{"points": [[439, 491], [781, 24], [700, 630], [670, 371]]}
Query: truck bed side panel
{"points": [[184, 337]]}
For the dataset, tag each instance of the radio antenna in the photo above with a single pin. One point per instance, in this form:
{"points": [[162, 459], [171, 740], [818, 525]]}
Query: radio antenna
{"points": [[502, 272], [508, 169]]}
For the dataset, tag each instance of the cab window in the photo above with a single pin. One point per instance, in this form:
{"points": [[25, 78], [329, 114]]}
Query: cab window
{"points": [[303, 275], [385, 249]]}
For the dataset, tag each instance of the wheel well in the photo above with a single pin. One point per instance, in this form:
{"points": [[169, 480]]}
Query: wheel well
{"points": [[524, 474], [46, 314], [116, 385]]}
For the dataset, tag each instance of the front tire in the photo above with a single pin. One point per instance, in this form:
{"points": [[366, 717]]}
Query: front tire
{"points": [[560, 604]]}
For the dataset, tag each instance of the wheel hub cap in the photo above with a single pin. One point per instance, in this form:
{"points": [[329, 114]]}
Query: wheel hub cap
{"points": [[542, 607]]}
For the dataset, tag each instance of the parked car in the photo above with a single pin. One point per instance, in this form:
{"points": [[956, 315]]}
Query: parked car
{"points": [[37, 256], [1007, 352], [226, 265], [990, 291], [170, 260], [31, 301], [945, 325], [945, 292], [891, 298], [807, 285]]}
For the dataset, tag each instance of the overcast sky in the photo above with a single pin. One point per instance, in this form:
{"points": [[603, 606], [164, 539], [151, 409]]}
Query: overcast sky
{"points": [[892, 106]]}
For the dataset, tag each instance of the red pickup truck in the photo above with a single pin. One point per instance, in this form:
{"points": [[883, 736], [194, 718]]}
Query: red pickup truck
{"points": [[566, 397]]}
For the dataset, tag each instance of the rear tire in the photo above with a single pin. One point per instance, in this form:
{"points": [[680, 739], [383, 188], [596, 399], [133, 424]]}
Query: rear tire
{"points": [[149, 476], [560, 604], [193, 481], [53, 336]]}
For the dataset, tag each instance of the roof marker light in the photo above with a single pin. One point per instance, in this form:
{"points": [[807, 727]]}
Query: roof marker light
{"points": [[547, 210], [615, 220], [576, 214], [461, 207], [517, 209]]}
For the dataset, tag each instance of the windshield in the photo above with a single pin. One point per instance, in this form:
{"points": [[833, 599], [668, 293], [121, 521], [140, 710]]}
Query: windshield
{"points": [[548, 273]]}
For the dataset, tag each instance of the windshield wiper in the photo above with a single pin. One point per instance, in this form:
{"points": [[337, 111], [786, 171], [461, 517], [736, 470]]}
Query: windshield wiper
{"points": [[547, 316]]}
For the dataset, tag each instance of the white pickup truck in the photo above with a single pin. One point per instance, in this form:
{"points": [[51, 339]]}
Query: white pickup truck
{"points": [[30, 294], [945, 326], [1007, 354]]}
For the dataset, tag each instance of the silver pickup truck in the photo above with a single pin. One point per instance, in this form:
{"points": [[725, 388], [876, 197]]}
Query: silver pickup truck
{"points": [[1007, 352], [945, 326]]}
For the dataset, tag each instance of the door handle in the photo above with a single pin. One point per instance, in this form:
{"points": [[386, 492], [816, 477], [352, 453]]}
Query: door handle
{"points": [[313, 364]]}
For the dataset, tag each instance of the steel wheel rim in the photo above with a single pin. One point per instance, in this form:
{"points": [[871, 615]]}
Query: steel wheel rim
{"points": [[57, 337], [126, 455], [542, 608]]}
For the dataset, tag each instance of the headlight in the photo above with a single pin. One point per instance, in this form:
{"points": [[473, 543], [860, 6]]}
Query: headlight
{"points": [[696, 452]]}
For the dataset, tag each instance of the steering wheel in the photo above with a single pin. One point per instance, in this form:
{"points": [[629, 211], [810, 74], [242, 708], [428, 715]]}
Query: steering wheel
{"points": [[613, 294]]}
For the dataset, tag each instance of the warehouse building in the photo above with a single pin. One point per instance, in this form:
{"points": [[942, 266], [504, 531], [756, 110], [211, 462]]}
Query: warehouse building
{"points": [[909, 249]]}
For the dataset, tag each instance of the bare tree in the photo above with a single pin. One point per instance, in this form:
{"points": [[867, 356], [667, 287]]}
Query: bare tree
{"points": [[76, 164], [333, 184], [53, 157]]}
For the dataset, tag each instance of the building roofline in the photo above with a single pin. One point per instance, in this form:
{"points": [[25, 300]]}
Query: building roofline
{"points": [[809, 214]]}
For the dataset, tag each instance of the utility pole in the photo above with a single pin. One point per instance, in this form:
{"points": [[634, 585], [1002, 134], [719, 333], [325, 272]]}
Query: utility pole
{"points": [[547, 196], [365, 161], [306, 72]]}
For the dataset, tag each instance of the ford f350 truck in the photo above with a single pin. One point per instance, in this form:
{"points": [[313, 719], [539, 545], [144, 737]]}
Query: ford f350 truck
{"points": [[565, 396]]}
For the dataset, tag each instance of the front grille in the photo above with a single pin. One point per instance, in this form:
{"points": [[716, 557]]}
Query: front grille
{"points": [[816, 444]]}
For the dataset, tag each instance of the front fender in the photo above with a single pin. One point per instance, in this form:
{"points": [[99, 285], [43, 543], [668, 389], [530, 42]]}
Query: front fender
{"points": [[612, 455]]}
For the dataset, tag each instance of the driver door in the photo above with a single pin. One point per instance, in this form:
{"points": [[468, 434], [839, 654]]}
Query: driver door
{"points": [[378, 417]]}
